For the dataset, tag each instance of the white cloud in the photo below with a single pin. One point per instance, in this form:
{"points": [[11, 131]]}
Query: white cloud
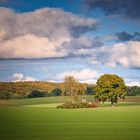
{"points": [[28, 78], [31, 46], [133, 83], [50, 32], [42, 33], [53, 81], [17, 77], [125, 54], [85, 75]]}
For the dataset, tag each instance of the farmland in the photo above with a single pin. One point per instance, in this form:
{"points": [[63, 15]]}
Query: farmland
{"points": [[39, 119]]}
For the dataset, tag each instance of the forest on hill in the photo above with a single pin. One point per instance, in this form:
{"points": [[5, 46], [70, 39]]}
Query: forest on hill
{"points": [[17, 90]]}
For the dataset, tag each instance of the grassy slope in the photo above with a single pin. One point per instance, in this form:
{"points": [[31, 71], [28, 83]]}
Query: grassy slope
{"points": [[46, 100], [41, 122], [19, 123]]}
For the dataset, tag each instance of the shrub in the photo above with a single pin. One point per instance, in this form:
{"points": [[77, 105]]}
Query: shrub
{"points": [[18, 96], [36, 93], [133, 91], [93, 105], [90, 90], [5, 95], [70, 105], [56, 92]]}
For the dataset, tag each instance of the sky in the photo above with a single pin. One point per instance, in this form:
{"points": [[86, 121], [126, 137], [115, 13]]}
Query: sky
{"points": [[46, 40]]}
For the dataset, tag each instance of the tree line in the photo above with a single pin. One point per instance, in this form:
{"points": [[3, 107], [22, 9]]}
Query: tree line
{"points": [[14, 90]]}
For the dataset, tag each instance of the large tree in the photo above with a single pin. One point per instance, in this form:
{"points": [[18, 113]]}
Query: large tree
{"points": [[73, 88], [110, 87]]}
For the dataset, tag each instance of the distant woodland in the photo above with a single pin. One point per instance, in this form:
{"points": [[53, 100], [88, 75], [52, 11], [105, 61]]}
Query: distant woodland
{"points": [[17, 90]]}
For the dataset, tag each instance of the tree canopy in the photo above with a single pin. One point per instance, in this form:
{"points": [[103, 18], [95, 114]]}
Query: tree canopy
{"points": [[56, 92], [110, 87], [133, 91], [73, 88]]}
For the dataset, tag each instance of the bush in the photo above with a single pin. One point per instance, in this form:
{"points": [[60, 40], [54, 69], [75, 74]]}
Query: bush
{"points": [[56, 92], [93, 105], [90, 90], [18, 96], [133, 91], [5, 95], [35, 94], [70, 105], [9, 95]]}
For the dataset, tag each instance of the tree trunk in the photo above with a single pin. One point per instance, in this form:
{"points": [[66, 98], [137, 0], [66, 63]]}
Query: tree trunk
{"points": [[72, 99], [112, 104]]}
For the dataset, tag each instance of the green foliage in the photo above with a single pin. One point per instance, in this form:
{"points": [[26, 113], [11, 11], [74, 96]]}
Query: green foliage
{"points": [[10, 90], [56, 92], [6, 95], [36, 93], [20, 90], [73, 88], [90, 90], [110, 87], [70, 105], [133, 91]]}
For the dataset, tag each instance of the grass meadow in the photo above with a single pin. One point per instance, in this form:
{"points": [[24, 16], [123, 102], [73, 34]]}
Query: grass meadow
{"points": [[39, 119]]}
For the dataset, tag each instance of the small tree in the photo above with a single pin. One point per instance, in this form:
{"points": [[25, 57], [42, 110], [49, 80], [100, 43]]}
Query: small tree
{"points": [[56, 92], [73, 88], [36, 93], [90, 90], [110, 87]]}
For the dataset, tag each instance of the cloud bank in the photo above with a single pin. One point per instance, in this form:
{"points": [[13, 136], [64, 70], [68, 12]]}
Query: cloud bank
{"points": [[124, 54], [43, 33], [84, 75], [54, 33], [133, 83], [31, 46]]}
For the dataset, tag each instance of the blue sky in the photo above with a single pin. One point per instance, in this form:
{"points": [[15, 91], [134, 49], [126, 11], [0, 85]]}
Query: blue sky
{"points": [[49, 39]]}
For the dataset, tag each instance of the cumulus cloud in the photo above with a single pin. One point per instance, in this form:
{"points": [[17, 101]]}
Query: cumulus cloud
{"points": [[42, 33], [84, 75], [49, 22], [54, 33], [17, 77], [126, 8], [125, 54], [83, 46], [31, 46]]}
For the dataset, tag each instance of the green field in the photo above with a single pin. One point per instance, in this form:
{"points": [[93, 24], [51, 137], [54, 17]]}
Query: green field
{"points": [[38, 119]]}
